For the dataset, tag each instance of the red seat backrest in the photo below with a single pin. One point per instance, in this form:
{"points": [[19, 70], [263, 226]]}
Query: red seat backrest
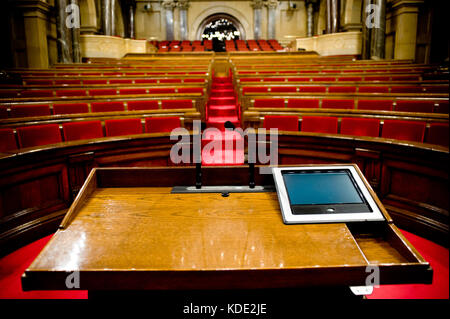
{"points": [[170, 81], [7, 140], [194, 80], [404, 130], [373, 89], [442, 107], [438, 134], [249, 89], [350, 78], [313, 89], [269, 103], [342, 89], [120, 81], [107, 106], [70, 108], [36, 93], [191, 90], [97, 81], [338, 104], [376, 105], [67, 81], [283, 89], [415, 106], [145, 81], [82, 130], [319, 124], [161, 124], [38, 135], [283, 123], [142, 105], [161, 90], [29, 110], [323, 79], [406, 89], [437, 89], [304, 79], [123, 127], [70, 92], [3, 112], [303, 103], [132, 91], [176, 104], [360, 126], [95, 92]]}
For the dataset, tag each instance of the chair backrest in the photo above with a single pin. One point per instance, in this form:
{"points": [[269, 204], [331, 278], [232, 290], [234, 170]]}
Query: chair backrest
{"points": [[123, 127], [338, 104], [3, 112], [132, 91], [313, 89], [283, 89], [319, 124], [36, 93], [438, 134], [303, 103], [70, 92], [107, 106], [415, 106], [29, 110], [82, 130], [360, 126], [7, 140], [442, 107], [404, 130], [95, 92], [142, 105], [176, 104], [283, 123], [375, 105], [373, 89], [191, 90], [70, 108], [38, 135], [161, 124], [161, 90], [342, 89], [269, 103], [255, 89]]}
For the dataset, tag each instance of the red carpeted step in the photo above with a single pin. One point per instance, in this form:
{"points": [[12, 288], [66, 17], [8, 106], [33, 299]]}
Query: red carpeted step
{"points": [[222, 100], [222, 110], [222, 86], [224, 79], [222, 92]]}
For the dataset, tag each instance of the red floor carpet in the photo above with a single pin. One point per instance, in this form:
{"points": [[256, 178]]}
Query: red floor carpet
{"points": [[13, 265]]}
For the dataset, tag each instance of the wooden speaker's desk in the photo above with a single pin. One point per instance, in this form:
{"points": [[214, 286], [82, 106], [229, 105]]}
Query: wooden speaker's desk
{"points": [[127, 231]]}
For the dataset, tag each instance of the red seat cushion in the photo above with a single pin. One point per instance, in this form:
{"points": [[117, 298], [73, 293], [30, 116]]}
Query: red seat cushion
{"points": [[376, 105], [38, 135], [161, 124], [176, 104], [283, 123], [415, 106], [360, 127], [438, 134], [107, 106], [142, 105], [338, 104], [82, 130], [319, 124], [303, 103], [70, 92], [70, 108], [404, 130], [269, 103], [123, 127], [7, 140], [132, 91], [29, 110], [95, 92]]}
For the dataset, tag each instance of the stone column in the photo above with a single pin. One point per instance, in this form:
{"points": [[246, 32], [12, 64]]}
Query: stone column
{"points": [[64, 34], [131, 22], [183, 5], [35, 16], [405, 13], [113, 17], [328, 14], [310, 17], [168, 6], [378, 32], [271, 21], [334, 11], [76, 50], [366, 27], [106, 17], [257, 7]]}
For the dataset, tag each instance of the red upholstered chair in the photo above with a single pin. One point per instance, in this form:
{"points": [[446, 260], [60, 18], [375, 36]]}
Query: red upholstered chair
{"points": [[257, 89], [303, 103], [319, 124], [7, 140], [176, 104], [95, 92], [120, 81], [313, 89], [97, 81], [360, 127], [406, 89], [404, 130], [29, 110], [132, 91], [38, 135], [36, 93], [438, 134], [82, 130], [170, 81], [283, 123], [283, 89], [161, 90], [39, 82], [123, 127], [376, 105], [191, 90], [296, 79], [415, 106], [269, 103], [373, 89], [70, 108], [406, 78], [142, 105], [145, 81], [70, 92], [161, 124], [342, 89], [107, 107], [442, 107], [338, 104]]}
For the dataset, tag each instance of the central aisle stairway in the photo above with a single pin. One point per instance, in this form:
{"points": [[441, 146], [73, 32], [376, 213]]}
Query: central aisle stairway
{"points": [[222, 145]]}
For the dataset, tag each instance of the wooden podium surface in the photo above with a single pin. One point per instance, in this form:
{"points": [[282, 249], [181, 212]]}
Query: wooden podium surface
{"points": [[126, 230]]}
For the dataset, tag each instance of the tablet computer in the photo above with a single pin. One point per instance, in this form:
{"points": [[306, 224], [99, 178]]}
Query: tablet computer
{"points": [[324, 194]]}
